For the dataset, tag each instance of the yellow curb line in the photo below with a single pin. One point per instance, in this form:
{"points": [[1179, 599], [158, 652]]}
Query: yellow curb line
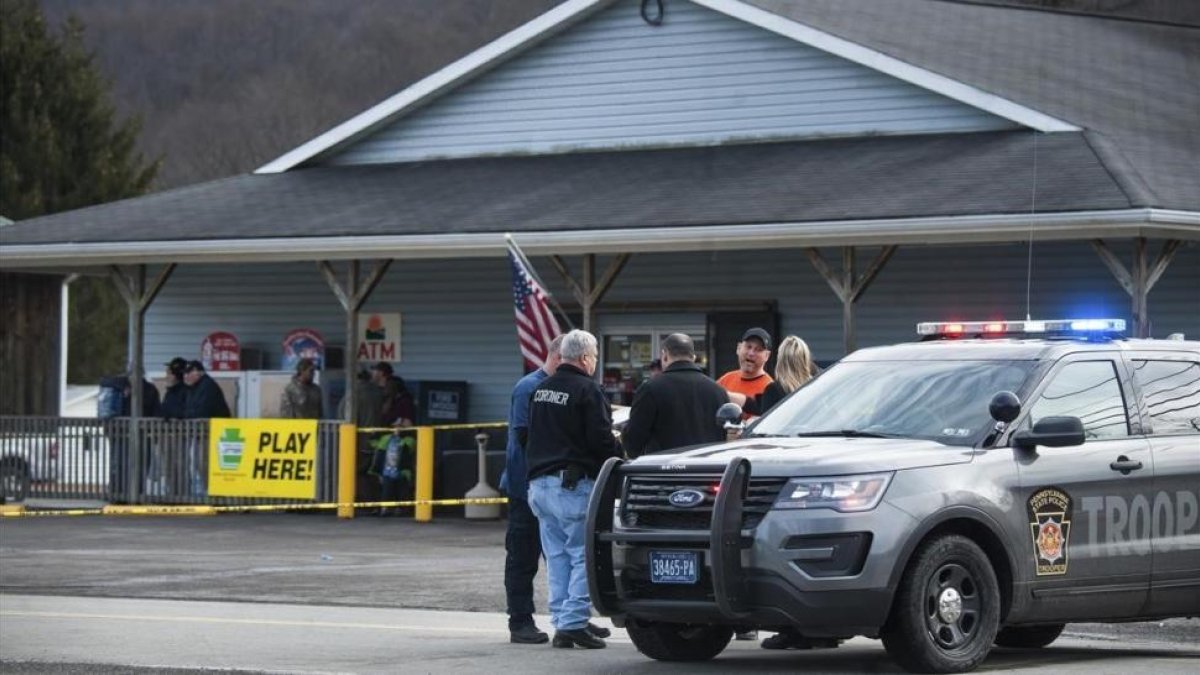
{"points": [[19, 510]]}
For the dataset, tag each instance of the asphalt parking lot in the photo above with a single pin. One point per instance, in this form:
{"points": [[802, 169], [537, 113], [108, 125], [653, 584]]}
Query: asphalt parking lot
{"points": [[294, 567]]}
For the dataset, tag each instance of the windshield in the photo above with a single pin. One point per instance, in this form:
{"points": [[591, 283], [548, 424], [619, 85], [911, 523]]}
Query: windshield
{"points": [[943, 401]]}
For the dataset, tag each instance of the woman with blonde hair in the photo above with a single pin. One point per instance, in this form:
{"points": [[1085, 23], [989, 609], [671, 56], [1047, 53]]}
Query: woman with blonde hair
{"points": [[794, 367]]}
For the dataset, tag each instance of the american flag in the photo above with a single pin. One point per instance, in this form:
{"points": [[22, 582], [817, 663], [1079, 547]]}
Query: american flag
{"points": [[536, 325]]}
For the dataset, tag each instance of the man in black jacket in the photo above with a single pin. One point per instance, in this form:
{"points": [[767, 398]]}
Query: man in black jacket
{"points": [[174, 401], [205, 400], [678, 407], [568, 439]]}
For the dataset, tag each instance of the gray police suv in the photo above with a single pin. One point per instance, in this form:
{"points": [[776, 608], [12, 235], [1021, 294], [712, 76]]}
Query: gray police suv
{"points": [[987, 485]]}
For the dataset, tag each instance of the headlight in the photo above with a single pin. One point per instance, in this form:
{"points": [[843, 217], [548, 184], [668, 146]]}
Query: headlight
{"points": [[840, 493]]}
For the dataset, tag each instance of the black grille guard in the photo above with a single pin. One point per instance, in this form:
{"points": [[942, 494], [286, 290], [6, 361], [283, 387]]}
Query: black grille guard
{"points": [[724, 538]]}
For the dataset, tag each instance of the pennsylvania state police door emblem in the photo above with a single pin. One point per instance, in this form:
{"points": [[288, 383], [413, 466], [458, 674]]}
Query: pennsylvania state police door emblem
{"points": [[1050, 524]]}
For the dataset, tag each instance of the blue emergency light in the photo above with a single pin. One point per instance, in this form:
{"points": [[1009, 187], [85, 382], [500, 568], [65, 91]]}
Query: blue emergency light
{"points": [[1051, 328]]}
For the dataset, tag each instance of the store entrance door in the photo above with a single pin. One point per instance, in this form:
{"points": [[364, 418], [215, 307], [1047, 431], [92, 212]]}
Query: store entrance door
{"points": [[629, 343]]}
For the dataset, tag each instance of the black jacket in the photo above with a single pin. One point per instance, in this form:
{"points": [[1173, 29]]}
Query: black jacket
{"points": [[150, 403], [206, 400], [570, 423], [677, 408], [174, 402]]}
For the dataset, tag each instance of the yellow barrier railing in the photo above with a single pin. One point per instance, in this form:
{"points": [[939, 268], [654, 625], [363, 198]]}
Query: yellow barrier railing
{"points": [[19, 510], [347, 468]]}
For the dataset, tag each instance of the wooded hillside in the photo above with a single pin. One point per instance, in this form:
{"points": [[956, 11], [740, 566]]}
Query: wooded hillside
{"points": [[223, 86]]}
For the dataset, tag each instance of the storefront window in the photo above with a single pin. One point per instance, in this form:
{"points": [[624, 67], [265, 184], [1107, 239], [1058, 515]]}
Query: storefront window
{"points": [[627, 358]]}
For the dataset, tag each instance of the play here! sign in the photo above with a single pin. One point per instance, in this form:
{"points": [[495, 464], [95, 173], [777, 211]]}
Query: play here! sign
{"points": [[262, 458]]}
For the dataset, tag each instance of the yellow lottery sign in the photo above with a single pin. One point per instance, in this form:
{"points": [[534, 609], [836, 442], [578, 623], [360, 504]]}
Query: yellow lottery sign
{"points": [[262, 458]]}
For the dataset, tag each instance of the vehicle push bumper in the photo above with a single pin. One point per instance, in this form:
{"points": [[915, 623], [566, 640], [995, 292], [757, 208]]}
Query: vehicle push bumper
{"points": [[725, 591]]}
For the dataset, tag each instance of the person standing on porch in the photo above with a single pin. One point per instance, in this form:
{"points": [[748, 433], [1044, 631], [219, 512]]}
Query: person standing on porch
{"points": [[301, 398], [205, 400]]}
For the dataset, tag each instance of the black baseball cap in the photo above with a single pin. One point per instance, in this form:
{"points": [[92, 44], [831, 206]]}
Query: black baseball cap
{"points": [[384, 367], [177, 365], [759, 333]]}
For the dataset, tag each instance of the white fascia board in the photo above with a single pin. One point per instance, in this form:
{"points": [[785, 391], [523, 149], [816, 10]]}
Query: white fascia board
{"points": [[983, 229], [486, 57], [883, 63]]}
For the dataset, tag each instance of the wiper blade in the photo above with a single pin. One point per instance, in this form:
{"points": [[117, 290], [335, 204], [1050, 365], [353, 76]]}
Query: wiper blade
{"points": [[846, 433]]}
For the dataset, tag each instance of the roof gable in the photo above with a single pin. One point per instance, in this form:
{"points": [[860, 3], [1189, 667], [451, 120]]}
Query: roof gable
{"points": [[716, 71]]}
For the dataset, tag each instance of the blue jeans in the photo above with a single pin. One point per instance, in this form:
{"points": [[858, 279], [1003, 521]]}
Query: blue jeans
{"points": [[562, 515]]}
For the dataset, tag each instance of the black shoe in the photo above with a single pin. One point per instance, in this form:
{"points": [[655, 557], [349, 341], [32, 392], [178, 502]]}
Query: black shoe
{"points": [[793, 640], [580, 637], [598, 631], [527, 635]]}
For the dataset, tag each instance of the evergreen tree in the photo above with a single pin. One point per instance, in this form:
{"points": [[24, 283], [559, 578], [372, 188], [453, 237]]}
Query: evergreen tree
{"points": [[61, 147]]}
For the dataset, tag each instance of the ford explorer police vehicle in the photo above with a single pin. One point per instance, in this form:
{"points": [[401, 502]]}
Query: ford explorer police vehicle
{"points": [[986, 485]]}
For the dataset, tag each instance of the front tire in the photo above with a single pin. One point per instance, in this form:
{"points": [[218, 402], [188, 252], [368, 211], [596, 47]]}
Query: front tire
{"points": [[1029, 637], [678, 641], [947, 610]]}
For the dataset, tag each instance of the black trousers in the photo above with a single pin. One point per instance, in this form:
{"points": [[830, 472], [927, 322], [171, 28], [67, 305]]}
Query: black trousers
{"points": [[523, 548]]}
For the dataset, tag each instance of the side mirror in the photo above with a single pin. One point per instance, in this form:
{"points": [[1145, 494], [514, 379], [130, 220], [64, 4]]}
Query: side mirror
{"points": [[1005, 407], [1052, 432], [729, 413]]}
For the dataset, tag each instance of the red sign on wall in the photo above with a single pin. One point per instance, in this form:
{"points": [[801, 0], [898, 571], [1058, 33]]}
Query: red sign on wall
{"points": [[221, 351]]}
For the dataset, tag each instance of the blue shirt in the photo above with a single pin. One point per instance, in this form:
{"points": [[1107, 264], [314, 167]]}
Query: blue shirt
{"points": [[514, 482]]}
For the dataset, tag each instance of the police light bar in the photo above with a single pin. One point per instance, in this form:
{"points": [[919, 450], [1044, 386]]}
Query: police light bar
{"points": [[1002, 328]]}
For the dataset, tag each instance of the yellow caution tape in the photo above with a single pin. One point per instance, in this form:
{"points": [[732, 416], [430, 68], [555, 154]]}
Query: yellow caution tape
{"points": [[19, 510], [157, 510], [435, 427]]}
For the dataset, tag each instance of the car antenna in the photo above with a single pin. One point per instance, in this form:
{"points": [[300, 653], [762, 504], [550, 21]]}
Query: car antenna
{"points": [[1032, 213]]}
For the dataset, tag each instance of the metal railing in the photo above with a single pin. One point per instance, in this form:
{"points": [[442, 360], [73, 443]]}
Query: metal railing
{"points": [[165, 462]]}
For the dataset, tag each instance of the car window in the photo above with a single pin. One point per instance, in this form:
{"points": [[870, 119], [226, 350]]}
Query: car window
{"points": [[1172, 393], [1090, 391]]}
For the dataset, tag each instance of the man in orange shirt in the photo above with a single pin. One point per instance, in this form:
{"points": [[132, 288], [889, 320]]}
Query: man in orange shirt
{"points": [[749, 380]]}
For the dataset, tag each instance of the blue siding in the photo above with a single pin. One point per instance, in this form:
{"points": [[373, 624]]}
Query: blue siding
{"points": [[458, 315], [700, 78]]}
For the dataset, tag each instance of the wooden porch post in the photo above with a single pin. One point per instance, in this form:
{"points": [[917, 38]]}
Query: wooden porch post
{"points": [[1138, 282], [848, 286], [351, 297], [590, 293], [132, 287]]}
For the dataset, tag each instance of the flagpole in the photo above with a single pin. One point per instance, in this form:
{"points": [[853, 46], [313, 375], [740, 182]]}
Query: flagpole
{"points": [[512, 245]]}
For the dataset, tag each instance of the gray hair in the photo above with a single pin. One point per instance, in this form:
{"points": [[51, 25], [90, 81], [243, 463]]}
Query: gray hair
{"points": [[577, 344], [555, 346]]}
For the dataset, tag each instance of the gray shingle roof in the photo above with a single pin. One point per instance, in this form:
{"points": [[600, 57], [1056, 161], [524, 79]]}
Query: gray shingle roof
{"points": [[1135, 85], [846, 179]]}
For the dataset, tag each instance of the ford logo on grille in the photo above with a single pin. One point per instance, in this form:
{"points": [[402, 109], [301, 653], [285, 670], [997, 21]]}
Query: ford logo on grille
{"points": [[686, 499]]}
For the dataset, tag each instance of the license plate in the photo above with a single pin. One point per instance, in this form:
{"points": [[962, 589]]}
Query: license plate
{"points": [[674, 567]]}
